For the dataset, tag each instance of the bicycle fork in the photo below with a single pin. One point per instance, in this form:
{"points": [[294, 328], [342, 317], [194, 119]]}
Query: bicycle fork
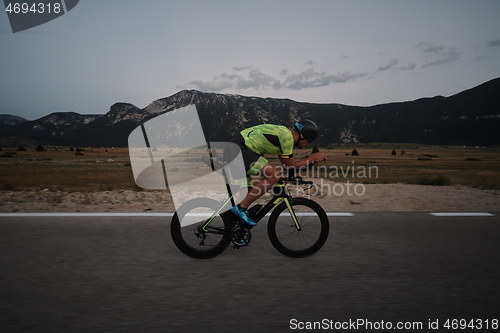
{"points": [[292, 213]]}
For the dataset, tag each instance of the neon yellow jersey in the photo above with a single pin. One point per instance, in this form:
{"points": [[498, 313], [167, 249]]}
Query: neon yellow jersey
{"points": [[269, 139]]}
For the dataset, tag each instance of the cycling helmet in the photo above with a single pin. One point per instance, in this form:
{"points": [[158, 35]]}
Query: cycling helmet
{"points": [[308, 129]]}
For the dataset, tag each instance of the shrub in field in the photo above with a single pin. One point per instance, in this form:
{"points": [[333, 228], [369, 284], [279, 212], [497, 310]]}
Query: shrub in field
{"points": [[79, 151], [6, 186], [106, 187], [487, 184], [40, 148], [436, 181]]}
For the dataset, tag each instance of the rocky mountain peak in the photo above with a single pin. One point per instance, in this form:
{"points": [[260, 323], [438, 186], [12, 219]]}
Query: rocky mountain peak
{"points": [[7, 120]]}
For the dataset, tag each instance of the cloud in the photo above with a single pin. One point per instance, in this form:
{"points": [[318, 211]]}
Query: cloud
{"points": [[438, 54], [429, 48], [393, 65], [254, 80], [493, 43], [481, 58], [218, 83], [242, 68], [257, 80], [393, 62], [312, 79], [310, 63], [408, 67]]}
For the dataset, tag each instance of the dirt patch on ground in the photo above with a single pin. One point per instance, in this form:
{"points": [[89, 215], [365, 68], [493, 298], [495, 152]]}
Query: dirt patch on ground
{"points": [[334, 197], [404, 197]]}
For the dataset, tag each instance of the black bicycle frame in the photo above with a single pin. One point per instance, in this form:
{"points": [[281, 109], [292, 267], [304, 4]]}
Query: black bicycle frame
{"points": [[280, 194]]}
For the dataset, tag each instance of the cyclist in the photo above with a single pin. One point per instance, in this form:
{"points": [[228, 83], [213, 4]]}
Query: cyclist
{"points": [[272, 139]]}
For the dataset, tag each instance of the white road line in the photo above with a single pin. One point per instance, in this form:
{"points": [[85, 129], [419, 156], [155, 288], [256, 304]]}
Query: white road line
{"points": [[332, 214], [82, 214], [339, 214], [312, 214], [462, 214], [132, 214]]}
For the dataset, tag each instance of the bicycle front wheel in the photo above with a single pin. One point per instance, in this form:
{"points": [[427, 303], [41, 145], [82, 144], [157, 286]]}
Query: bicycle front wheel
{"points": [[302, 240], [188, 237]]}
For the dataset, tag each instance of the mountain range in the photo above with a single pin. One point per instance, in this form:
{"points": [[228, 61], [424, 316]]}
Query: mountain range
{"points": [[471, 117], [7, 120]]}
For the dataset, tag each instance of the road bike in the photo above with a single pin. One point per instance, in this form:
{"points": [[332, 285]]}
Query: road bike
{"points": [[297, 227]]}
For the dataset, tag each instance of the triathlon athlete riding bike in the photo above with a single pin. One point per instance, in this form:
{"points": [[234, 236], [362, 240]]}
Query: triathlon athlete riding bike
{"points": [[297, 227]]}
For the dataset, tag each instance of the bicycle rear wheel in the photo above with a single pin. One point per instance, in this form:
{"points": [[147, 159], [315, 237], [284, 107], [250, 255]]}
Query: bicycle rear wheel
{"points": [[188, 238], [287, 239]]}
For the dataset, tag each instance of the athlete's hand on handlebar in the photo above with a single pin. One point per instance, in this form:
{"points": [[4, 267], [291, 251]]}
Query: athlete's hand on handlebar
{"points": [[318, 157]]}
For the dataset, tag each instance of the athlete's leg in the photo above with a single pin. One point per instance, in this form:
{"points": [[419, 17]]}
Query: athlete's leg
{"points": [[271, 177]]}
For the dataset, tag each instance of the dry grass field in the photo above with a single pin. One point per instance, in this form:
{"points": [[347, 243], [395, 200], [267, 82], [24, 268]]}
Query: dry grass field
{"points": [[108, 169], [423, 165], [62, 170]]}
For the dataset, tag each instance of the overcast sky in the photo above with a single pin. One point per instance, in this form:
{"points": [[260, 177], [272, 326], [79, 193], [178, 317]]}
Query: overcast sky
{"points": [[350, 52]]}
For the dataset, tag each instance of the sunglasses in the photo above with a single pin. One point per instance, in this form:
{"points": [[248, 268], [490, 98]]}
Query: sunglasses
{"points": [[311, 138]]}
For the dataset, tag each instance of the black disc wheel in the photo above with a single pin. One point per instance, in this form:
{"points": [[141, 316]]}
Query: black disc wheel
{"points": [[303, 236], [187, 233]]}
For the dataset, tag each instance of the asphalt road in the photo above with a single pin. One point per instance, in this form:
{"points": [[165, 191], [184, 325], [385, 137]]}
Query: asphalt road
{"points": [[124, 274]]}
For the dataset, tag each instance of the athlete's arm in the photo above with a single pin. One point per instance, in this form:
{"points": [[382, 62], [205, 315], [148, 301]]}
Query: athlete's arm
{"points": [[292, 163]]}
